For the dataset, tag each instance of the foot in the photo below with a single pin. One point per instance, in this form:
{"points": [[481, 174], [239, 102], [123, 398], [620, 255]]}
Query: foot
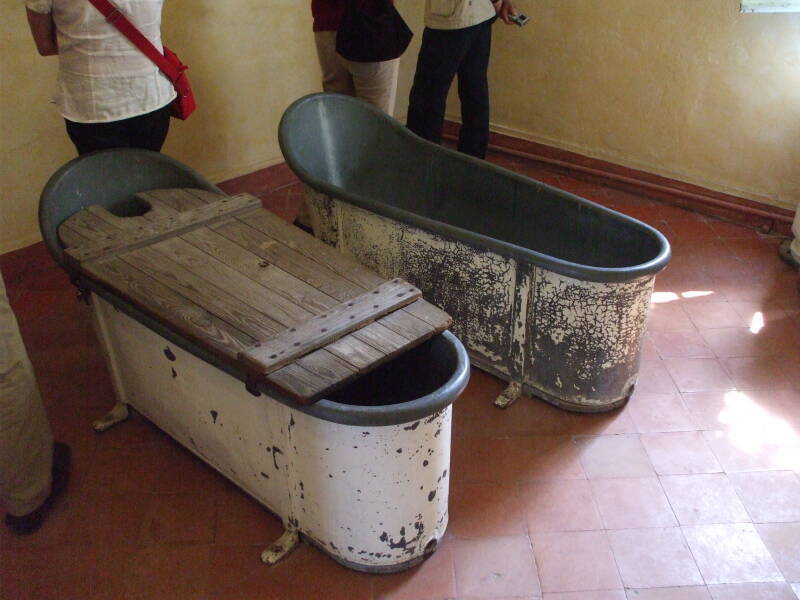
{"points": [[29, 523]]}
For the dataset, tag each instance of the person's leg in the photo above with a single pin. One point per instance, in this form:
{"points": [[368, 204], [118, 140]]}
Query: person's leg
{"points": [[335, 76], [149, 131], [473, 92], [437, 64], [90, 137], [376, 82], [26, 451]]}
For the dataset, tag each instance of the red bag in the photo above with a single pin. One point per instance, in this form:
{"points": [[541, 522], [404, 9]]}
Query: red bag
{"points": [[169, 63], [184, 104]]}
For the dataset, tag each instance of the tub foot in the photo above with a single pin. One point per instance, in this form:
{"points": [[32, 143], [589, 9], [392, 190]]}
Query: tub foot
{"points": [[116, 415], [281, 548], [509, 395]]}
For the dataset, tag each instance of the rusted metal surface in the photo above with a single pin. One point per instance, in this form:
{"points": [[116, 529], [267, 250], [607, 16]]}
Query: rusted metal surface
{"points": [[571, 342]]}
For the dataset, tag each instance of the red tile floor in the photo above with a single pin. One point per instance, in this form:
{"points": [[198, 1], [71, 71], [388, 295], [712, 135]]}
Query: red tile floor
{"points": [[692, 491]]}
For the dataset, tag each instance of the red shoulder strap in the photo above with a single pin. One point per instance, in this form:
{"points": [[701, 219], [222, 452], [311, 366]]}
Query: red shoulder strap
{"points": [[115, 16]]}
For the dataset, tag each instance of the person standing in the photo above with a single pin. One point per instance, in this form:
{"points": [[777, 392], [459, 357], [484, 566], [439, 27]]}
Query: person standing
{"points": [[373, 82], [109, 93], [34, 470], [456, 42]]}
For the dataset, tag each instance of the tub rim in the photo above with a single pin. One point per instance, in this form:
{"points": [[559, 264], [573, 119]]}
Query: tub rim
{"points": [[326, 410], [476, 240]]}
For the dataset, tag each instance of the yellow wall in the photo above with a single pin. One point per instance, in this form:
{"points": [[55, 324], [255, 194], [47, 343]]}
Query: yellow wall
{"points": [[249, 59], [687, 88]]}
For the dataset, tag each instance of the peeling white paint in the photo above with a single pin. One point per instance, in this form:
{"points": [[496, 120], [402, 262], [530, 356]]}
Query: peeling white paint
{"points": [[374, 498]]}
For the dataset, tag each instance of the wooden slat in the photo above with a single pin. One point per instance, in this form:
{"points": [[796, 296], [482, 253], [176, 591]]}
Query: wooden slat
{"points": [[295, 238], [408, 325], [354, 352], [166, 306], [155, 231], [260, 270], [212, 298], [181, 199], [325, 328], [430, 314], [220, 275], [289, 260]]}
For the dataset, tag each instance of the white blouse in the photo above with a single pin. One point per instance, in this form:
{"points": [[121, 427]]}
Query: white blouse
{"points": [[102, 76]]}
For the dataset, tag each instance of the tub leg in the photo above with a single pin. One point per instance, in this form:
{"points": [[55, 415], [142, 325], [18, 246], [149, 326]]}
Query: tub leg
{"points": [[116, 415], [509, 395], [282, 547]]}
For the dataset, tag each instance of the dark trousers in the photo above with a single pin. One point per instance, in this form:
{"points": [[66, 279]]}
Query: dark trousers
{"points": [[145, 131], [444, 54]]}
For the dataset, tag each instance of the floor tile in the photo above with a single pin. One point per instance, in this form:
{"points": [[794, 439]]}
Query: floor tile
{"points": [[680, 453], [681, 344], [698, 374], [670, 593], [731, 554], [597, 595], [105, 518], [179, 518], [654, 558], [560, 506], [783, 542], [770, 497], [713, 315], [632, 503], [485, 510], [743, 450], [660, 412], [654, 378], [757, 372], [669, 316], [752, 591], [752, 340], [614, 456], [241, 521], [704, 499], [492, 567], [575, 561], [434, 579], [177, 572]]}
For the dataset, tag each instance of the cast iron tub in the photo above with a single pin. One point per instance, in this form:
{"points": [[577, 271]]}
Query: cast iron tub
{"points": [[332, 471], [547, 290]]}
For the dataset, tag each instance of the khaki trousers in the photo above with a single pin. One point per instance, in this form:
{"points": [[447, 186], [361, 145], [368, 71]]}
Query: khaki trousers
{"points": [[374, 82], [26, 442]]}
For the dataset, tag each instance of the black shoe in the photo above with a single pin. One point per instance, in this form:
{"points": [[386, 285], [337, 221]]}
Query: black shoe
{"points": [[29, 523]]}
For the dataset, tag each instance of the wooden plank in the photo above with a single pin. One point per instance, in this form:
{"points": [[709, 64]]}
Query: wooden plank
{"points": [[408, 325], [325, 328], [431, 314], [260, 270], [143, 235], [181, 199], [215, 300], [288, 259], [171, 309], [380, 337], [355, 352], [220, 275], [297, 239]]}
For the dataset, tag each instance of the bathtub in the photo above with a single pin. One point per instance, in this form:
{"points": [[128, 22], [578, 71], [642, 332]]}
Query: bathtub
{"points": [[547, 290], [362, 474]]}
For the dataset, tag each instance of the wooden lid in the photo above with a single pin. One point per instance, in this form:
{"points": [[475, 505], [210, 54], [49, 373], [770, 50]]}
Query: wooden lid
{"points": [[257, 292]]}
